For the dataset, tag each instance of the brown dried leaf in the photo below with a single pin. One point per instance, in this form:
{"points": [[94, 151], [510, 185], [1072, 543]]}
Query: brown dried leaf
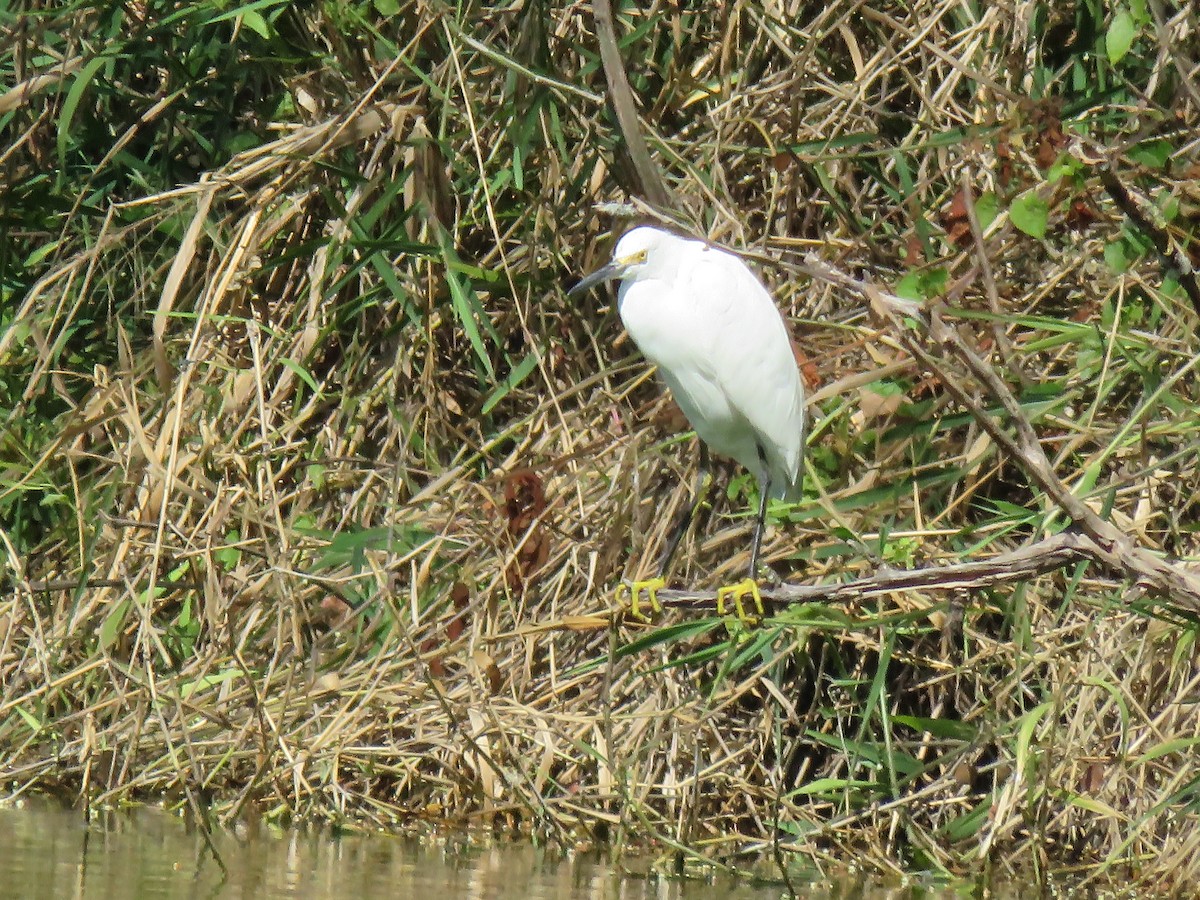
{"points": [[957, 221], [875, 405], [490, 670]]}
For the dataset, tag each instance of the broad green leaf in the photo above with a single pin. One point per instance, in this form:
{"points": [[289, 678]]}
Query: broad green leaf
{"points": [[253, 20], [1114, 257], [969, 824], [1153, 154], [909, 287], [1120, 36], [923, 284], [1029, 213], [986, 208], [1064, 167]]}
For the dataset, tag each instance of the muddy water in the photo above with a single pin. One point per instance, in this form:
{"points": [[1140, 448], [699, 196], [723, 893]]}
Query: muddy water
{"points": [[50, 852]]}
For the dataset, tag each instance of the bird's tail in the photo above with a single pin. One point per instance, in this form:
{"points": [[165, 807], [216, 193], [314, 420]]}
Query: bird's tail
{"points": [[789, 484]]}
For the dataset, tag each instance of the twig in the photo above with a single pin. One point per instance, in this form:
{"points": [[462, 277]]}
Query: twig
{"points": [[1177, 258], [1110, 545], [1018, 565], [1003, 344], [1184, 66]]}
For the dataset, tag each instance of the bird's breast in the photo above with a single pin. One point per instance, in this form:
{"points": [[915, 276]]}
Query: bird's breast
{"points": [[665, 326]]}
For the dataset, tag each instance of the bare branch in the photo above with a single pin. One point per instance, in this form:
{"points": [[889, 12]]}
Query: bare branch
{"points": [[1109, 544]]}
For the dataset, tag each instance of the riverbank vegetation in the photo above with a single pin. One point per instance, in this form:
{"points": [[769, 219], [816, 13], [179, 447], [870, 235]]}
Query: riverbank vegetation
{"points": [[315, 489]]}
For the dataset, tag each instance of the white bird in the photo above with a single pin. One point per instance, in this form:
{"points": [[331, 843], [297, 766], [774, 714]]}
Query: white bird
{"points": [[707, 322]]}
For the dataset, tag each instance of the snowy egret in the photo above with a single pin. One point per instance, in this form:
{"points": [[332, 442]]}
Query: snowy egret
{"points": [[705, 319]]}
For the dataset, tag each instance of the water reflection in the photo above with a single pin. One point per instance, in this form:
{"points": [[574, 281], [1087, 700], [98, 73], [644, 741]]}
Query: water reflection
{"points": [[51, 852]]}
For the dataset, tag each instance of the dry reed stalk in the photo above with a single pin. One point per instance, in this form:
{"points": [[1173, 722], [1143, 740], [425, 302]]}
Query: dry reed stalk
{"points": [[264, 553]]}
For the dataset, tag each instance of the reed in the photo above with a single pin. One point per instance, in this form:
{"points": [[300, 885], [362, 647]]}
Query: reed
{"points": [[315, 487]]}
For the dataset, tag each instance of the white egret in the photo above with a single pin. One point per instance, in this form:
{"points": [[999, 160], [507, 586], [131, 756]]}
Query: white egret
{"points": [[705, 319]]}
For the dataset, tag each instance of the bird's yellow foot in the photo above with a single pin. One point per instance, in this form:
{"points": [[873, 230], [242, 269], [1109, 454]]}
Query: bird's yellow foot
{"points": [[635, 588], [738, 592]]}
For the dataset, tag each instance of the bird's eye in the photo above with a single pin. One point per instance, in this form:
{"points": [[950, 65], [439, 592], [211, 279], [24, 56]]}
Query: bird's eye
{"points": [[640, 256]]}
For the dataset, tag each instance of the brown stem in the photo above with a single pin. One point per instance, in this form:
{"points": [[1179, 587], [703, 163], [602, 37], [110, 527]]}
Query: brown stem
{"points": [[620, 94]]}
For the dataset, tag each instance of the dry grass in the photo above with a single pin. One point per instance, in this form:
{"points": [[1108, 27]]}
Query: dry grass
{"points": [[316, 488]]}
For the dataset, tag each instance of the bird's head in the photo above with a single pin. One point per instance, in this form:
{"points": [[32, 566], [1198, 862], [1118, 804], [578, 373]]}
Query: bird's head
{"points": [[638, 253]]}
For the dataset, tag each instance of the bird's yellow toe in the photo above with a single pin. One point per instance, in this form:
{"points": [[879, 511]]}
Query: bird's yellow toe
{"points": [[635, 589], [738, 592]]}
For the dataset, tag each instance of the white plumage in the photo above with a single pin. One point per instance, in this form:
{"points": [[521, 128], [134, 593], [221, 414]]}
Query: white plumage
{"points": [[702, 316], [705, 319]]}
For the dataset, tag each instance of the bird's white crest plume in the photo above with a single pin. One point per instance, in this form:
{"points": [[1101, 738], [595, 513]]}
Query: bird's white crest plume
{"points": [[705, 319]]}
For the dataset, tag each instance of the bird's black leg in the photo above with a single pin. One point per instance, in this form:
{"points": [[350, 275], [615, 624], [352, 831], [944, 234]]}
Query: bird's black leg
{"points": [[764, 487], [699, 491]]}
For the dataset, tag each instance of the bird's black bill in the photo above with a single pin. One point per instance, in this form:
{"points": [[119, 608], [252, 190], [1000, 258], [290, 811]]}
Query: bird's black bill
{"points": [[605, 273]]}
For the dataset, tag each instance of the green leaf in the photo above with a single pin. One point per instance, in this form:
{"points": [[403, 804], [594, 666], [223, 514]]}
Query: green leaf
{"points": [[834, 786], [1153, 154], [1029, 724], [1176, 745], [314, 474], [1114, 257], [942, 728], [113, 623], [1029, 213], [243, 10], [909, 287], [206, 681], [986, 208], [923, 284], [34, 723], [465, 303], [302, 373], [41, 253], [1120, 36], [229, 556], [1064, 167], [253, 20], [517, 169], [1091, 804], [515, 377], [71, 104], [969, 824]]}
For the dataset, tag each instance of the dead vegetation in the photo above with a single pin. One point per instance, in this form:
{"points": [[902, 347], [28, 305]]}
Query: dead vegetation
{"points": [[315, 489]]}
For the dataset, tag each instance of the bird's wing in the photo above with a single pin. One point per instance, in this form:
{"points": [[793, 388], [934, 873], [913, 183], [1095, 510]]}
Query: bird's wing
{"points": [[753, 362]]}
